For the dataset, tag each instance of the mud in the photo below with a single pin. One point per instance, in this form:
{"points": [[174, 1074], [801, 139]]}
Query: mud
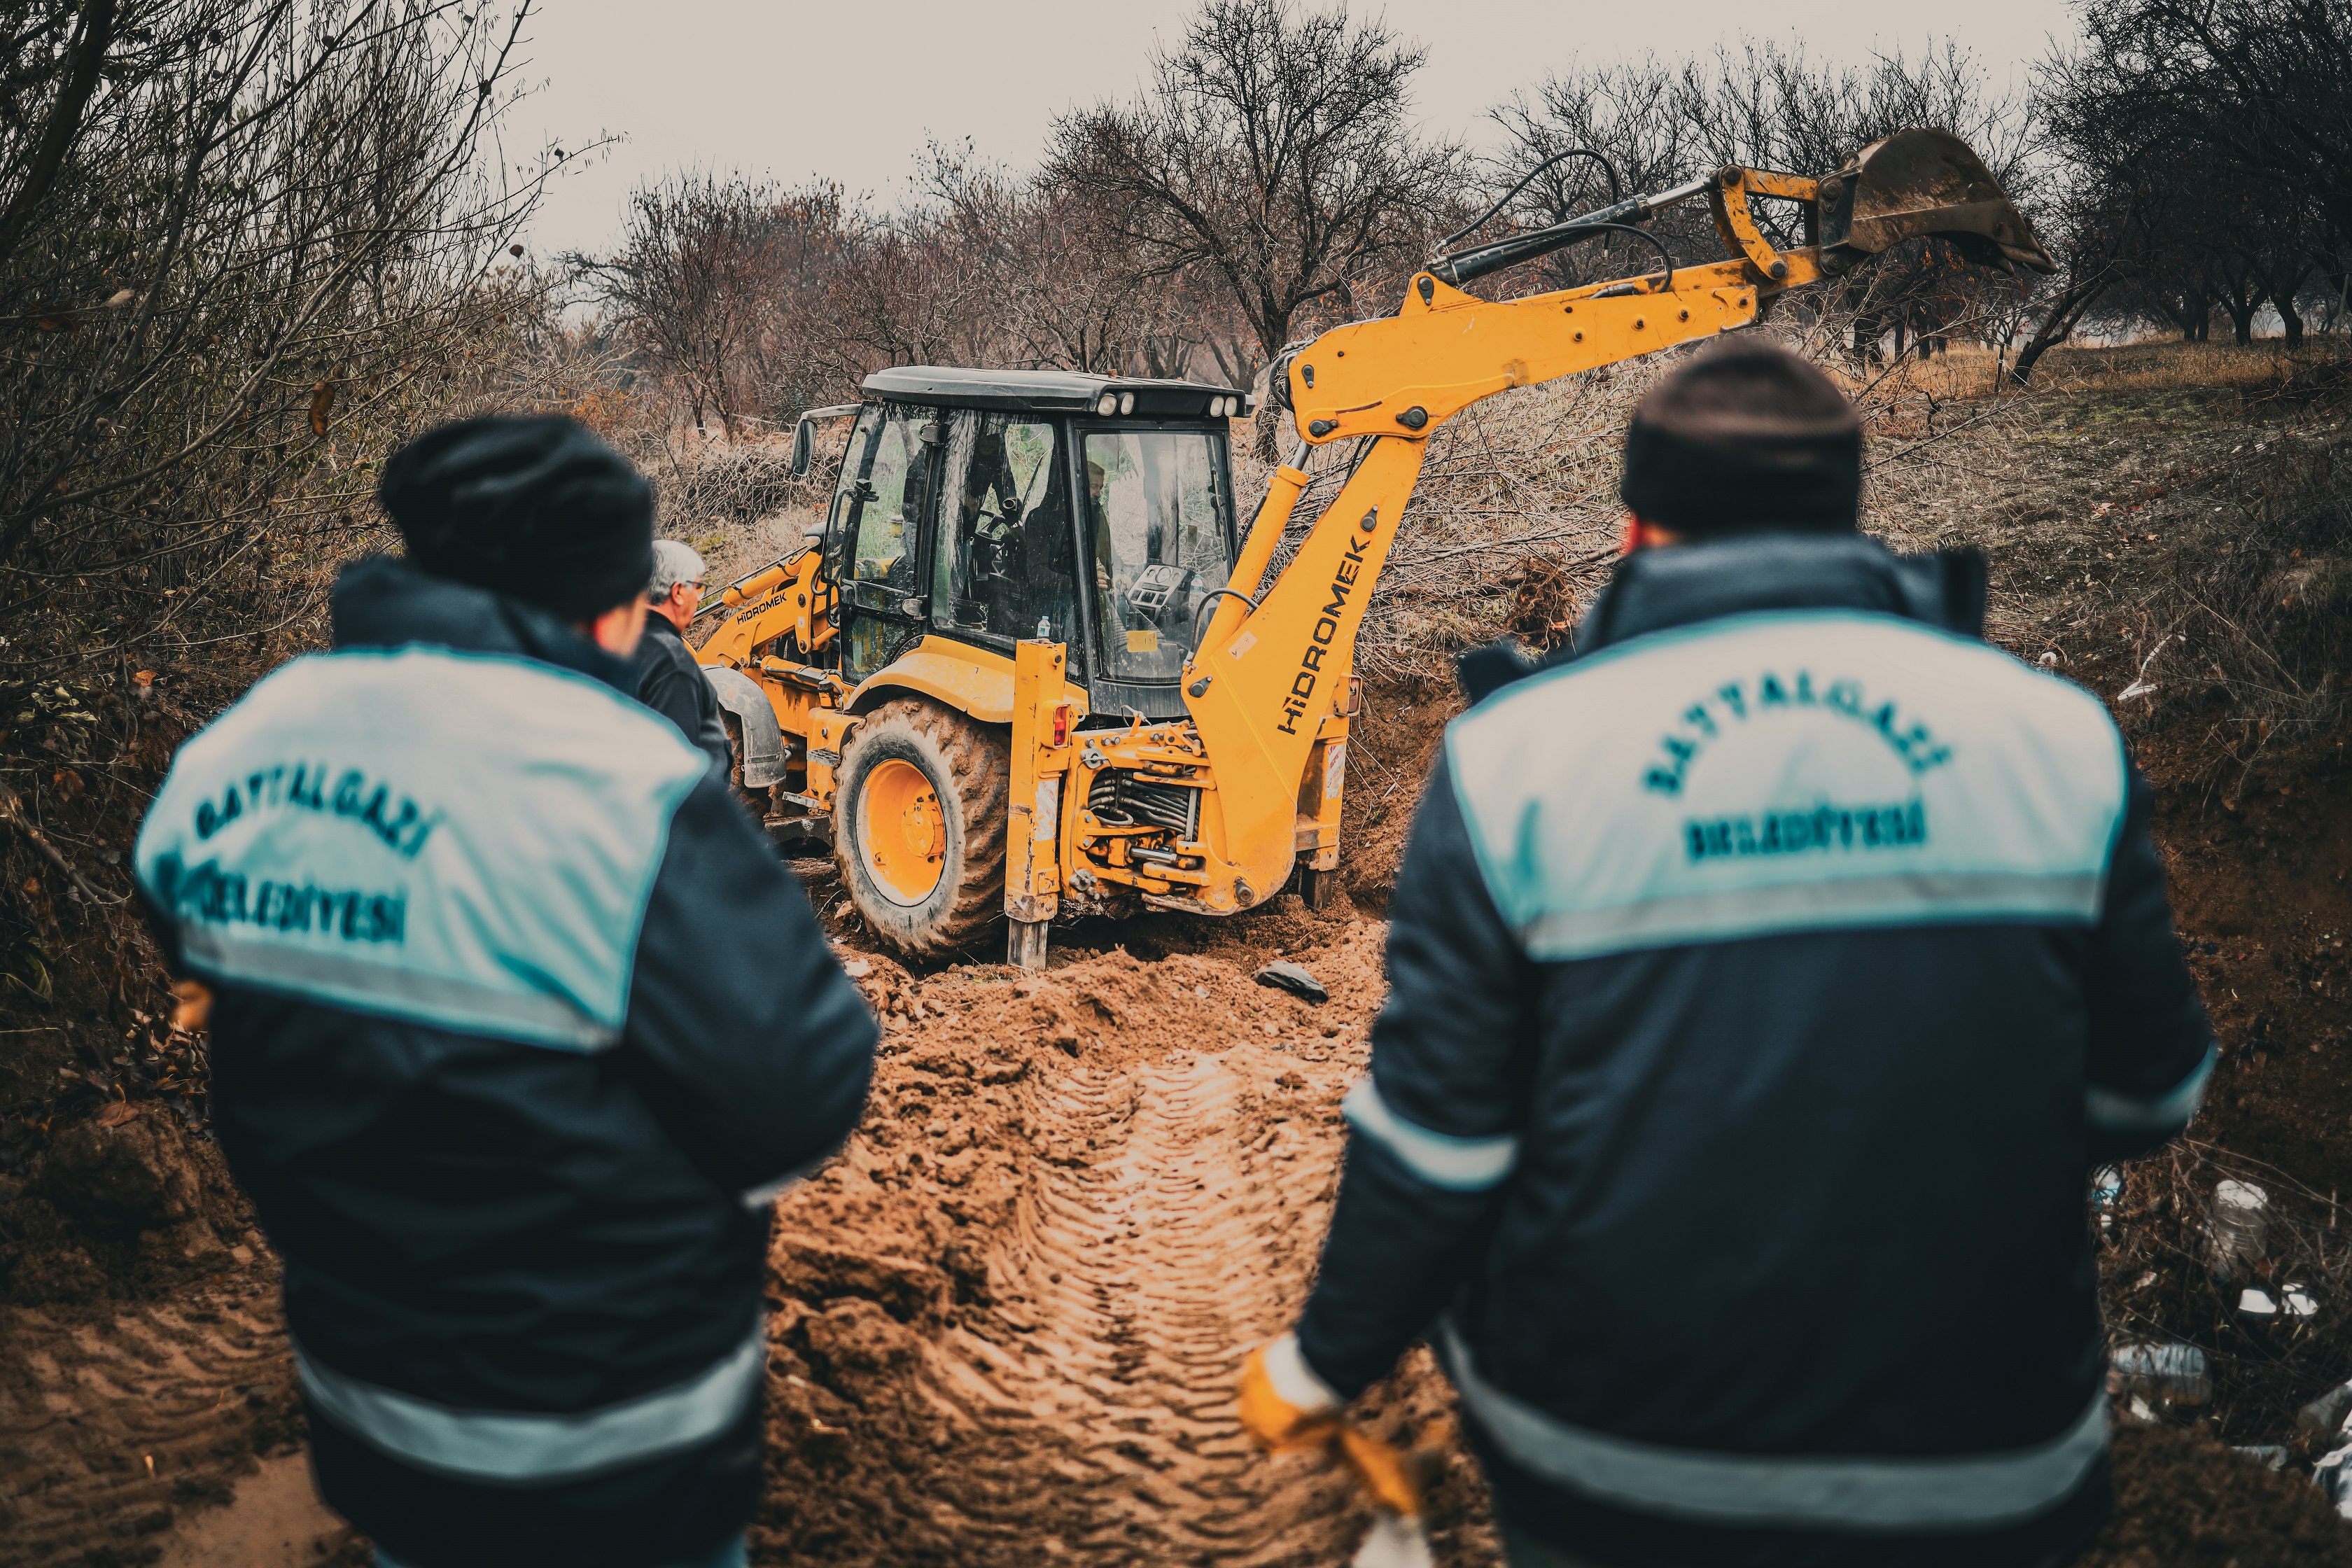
{"points": [[2265, 901], [115, 1426], [1009, 1318]]}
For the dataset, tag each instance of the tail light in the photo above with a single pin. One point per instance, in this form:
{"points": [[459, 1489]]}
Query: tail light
{"points": [[1062, 724], [1355, 702]]}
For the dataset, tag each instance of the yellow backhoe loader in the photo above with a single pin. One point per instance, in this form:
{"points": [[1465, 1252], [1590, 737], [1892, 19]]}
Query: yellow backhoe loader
{"points": [[1031, 668]]}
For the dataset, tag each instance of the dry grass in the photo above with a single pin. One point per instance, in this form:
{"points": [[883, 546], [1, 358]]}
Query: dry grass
{"points": [[2172, 365]]}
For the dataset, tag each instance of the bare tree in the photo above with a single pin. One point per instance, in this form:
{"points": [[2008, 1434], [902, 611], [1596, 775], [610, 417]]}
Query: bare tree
{"points": [[2264, 86], [1058, 284], [1649, 124], [1273, 154], [239, 252], [715, 286]]}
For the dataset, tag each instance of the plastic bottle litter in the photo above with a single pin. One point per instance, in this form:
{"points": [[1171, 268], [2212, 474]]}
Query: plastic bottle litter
{"points": [[2176, 1372], [2260, 1308], [2333, 1475], [2238, 1225], [2106, 1193], [2326, 1413]]}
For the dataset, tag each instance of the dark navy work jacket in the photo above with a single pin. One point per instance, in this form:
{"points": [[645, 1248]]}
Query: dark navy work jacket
{"points": [[1764, 981], [518, 1025]]}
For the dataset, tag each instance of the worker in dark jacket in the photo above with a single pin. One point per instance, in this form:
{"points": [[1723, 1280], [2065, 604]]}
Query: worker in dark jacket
{"points": [[1765, 980], [668, 679], [516, 1026]]}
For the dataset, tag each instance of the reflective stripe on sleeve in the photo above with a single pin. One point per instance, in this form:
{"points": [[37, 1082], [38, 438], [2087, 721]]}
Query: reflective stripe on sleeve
{"points": [[1960, 1491], [2113, 1111], [759, 1197], [1457, 1165], [498, 1447]]}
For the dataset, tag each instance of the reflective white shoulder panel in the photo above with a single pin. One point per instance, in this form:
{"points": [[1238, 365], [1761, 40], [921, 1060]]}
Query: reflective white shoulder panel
{"points": [[1787, 772], [462, 840]]}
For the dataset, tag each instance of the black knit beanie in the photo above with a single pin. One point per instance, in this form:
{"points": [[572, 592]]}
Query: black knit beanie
{"points": [[535, 508], [1746, 436]]}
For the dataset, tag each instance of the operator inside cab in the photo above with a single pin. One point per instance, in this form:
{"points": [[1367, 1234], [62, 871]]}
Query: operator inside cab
{"points": [[1766, 975], [1006, 570]]}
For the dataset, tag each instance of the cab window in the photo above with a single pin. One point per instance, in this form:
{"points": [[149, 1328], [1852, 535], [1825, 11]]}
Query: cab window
{"points": [[889, 518], [1158, 511], [1003, 568]]}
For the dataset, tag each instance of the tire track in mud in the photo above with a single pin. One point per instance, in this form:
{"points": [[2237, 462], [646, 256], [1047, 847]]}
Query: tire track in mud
{"points": [[111, 1428], [1152, 1266], [1014, 1312]]}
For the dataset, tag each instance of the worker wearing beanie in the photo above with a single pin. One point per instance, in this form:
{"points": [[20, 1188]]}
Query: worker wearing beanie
{"points": [[668, 680], [1765, 976], [516, 1026]]}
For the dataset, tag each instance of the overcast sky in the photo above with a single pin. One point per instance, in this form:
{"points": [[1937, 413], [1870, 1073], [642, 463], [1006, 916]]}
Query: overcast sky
{"points": [[851, 91]]}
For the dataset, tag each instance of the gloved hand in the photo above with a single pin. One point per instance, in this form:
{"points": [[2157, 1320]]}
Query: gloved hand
{"points": [[1284, 1403], [1386, 1473]]}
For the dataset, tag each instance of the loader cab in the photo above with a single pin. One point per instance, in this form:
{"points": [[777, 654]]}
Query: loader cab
{"points": [[983, 507]]}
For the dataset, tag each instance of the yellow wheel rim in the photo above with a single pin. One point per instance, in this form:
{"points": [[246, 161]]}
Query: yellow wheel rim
{"points": [[901, 835]]}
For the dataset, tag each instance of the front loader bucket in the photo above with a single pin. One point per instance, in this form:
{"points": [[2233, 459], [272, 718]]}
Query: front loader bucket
{"points": [[1917, 183]]}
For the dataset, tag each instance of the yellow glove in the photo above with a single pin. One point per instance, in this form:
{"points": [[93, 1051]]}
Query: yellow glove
{"points": [[1385, 1473], [1284, 1405]]}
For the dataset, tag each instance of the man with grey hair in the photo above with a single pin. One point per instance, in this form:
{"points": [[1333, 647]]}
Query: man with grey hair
{"points": [[668, 680]]}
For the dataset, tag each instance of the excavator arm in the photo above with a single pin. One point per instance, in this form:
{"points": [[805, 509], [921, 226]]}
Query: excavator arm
{"points": [[1262, 691]]}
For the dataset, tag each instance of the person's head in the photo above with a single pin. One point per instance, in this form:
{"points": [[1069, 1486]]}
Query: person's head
{"points": [[534, 507], [1746, 437], [675, 591]]}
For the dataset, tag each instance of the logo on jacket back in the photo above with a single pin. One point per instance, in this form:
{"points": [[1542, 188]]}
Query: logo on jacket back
{"points": [[1948, 783], [1737, 701], [405, 827], [464, 840], [216, 895]]}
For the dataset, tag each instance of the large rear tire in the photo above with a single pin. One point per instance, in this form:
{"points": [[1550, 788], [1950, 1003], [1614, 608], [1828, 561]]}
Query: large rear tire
{"points": [[918, 825]]}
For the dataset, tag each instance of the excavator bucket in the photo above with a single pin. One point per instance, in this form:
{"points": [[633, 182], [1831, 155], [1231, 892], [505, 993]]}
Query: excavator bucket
{"points": [[1917, 183]]}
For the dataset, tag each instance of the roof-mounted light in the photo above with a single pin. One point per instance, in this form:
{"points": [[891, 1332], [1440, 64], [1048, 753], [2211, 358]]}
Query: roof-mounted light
{"points": [[1126, 403], [1107, 405]]}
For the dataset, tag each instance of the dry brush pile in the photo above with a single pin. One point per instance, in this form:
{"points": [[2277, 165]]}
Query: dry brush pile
{"points": [[247, 248]]}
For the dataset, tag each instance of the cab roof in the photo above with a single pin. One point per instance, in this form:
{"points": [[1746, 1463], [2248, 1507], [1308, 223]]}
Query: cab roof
{"points": [[1043, 391]]}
